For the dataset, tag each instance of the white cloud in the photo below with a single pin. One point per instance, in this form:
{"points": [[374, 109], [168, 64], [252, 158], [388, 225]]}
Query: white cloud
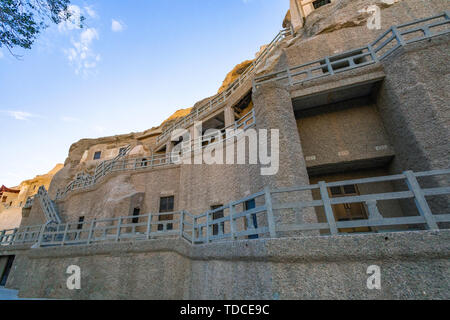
{"points": [[90, 12], [117, 26], [20, 115], [73, 22], [81, 55]]}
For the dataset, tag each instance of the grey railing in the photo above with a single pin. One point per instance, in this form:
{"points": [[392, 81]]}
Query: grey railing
{"points": [[382, 47], [22, 235], [142, 227], [268, 213], [218, 100], [85, 181], [245, 122], [29, 202], [48, 206]]}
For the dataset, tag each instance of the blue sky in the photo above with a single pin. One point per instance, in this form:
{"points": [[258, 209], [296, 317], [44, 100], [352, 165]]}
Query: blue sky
{"points": [[134, 64]]}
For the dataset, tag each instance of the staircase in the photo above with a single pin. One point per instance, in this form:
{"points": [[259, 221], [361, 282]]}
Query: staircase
{"points": [[48, 206], [107, 166]]}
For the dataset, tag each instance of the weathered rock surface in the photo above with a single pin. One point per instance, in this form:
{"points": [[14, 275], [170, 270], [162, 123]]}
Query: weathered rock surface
{"points": [[234, 74], [11, 217]]}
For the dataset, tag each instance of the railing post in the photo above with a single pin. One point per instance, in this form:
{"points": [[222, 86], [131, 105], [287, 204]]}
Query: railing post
{"points": [[2, 235], [420, 200], [91, 231], [207, 227], [269, 209], [41, 235], [65, 234], [232, 226], [398, 36], [14, 235], [329, 66], [194, 219], [328, 208], [374, 213], [181, 223], [119, 227], [149, 226], [372, 53], [289, 76]]}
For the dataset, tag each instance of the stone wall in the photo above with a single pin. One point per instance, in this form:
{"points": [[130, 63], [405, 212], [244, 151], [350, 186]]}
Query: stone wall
{"points": [[414, 265], [346, 131]]}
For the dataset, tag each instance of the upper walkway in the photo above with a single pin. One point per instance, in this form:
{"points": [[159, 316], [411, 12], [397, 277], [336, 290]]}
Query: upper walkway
{"points": [[378, 50], [220, 99]]}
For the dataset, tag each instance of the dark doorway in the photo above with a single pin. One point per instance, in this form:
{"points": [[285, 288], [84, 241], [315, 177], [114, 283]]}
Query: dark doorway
{"points": [[217, 215], [253, 220], [6, 271], [136, 213], [166, 204]]}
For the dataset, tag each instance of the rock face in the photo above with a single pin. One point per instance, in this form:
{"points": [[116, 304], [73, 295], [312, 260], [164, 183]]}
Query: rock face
{"points": [[11, 216], [330, 18], [234, 74], [333, 17], [287, 20]]}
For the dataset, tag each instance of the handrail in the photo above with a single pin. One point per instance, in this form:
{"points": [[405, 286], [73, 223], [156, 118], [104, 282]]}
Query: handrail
{"points": [[383, 46], [215, 102], [146, 162], [251, 216]]}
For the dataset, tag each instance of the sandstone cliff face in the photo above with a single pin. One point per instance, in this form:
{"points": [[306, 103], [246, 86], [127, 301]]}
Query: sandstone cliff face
{"points": [[11, 216], [339, 15], [234, 74]]}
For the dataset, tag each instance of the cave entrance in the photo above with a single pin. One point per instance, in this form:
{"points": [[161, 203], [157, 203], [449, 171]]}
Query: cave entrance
{"points": [[6, 263]]}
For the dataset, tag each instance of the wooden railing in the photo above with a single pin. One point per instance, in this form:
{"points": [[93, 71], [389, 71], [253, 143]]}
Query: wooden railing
{"points": [[394, 38]]}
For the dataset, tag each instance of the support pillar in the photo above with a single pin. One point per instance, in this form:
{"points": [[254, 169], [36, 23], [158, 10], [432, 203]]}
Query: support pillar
{"points": [[274, 110], [229, 116]]}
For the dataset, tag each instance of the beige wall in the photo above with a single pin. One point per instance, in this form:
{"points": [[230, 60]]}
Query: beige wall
{"points": [[342, 132]]}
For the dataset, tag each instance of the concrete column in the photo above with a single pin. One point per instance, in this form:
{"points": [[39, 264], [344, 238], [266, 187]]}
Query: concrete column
{"points": [[169, 146], [229, 116], [274, 110], [413, 104]]}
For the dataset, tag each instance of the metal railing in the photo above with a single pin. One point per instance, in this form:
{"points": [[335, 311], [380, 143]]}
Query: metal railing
{"points": [[268, 213], [218, 100], [382, 47]]}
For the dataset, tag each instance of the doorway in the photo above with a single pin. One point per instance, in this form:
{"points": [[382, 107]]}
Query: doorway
{"points": [[348, 211], [6, 270]]}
